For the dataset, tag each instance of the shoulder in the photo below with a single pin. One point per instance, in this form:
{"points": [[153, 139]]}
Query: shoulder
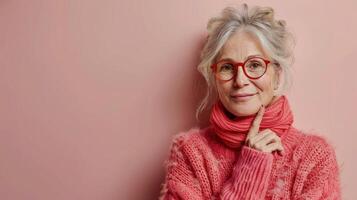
{"points": [[187, 137], [316, 147], [191, 138]]}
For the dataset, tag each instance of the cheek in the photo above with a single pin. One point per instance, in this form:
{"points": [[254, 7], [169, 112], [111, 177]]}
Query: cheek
{"points": [[265, 85], [223, 87], [265, 88]]}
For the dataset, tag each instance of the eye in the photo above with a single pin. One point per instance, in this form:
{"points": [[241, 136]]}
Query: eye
{"points": [[226, 67], [254, 65]]}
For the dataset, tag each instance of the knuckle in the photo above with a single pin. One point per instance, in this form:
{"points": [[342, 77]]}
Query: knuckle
{"points": [[280, 147], [270, 138], [273, 133]]}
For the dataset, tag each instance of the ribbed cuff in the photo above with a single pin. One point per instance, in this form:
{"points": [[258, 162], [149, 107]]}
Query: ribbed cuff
{"points": [[251, 173]]}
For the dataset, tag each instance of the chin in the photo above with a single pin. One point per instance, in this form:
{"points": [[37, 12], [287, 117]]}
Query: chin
{"points": [[243, 110], [243, 113]]}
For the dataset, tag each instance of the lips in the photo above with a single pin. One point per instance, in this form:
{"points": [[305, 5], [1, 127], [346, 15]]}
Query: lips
{"points": [[243, 95]]}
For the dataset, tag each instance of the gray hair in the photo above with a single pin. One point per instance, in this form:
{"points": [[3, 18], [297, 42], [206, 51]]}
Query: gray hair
{"points": [[272, 34]]}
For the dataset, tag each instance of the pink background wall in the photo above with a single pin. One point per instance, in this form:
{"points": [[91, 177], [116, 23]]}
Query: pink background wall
{"points": [[92, 91]]}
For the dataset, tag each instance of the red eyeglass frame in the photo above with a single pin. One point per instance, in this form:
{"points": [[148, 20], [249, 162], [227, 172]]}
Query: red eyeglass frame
{"points": [[238, 64]]}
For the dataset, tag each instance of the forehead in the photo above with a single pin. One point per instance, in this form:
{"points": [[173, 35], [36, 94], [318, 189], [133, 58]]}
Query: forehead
{"points": [[240, 46]]}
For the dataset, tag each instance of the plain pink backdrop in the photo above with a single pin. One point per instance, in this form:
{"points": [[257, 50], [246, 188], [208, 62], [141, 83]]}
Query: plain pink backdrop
{"points": [[93, 91]]}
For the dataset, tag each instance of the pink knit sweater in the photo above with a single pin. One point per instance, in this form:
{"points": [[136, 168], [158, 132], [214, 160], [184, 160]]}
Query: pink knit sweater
{"points": [[200, 166]]}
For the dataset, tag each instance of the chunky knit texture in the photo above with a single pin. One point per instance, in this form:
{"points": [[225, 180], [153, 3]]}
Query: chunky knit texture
{"points": [[214, 163], [200, 166]]}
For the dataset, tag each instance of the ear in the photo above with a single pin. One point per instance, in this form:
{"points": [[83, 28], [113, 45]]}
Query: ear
{"points": [[278, 77]]}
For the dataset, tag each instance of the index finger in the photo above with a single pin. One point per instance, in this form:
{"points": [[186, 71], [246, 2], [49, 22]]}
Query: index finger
{"points": [[253, 130]]}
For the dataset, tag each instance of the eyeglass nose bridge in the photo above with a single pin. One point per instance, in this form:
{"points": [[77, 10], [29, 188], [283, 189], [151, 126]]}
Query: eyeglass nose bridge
{"points": [[236, 67]]}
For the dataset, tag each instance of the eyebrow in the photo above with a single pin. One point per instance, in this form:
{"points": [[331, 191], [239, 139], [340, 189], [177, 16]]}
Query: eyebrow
{"points": [[231, 59]]}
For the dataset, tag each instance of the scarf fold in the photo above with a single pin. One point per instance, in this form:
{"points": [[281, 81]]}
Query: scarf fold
{"points": [[233, 132]]}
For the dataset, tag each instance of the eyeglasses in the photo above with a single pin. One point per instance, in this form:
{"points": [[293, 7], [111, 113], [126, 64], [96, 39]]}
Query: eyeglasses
{"points": [[254, 68]]}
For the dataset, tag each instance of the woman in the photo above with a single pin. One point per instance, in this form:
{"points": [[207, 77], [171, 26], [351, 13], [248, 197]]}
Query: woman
{"points": [[250, 150]]}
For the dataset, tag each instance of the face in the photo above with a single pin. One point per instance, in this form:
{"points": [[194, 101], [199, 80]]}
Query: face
{"points": [[238, 48]]}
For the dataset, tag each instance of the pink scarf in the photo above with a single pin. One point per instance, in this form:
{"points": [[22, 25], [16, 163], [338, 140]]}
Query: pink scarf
{"points": [[277, 116]]}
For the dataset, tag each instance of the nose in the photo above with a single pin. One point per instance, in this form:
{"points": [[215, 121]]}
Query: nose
{"points": [[240, 79]]}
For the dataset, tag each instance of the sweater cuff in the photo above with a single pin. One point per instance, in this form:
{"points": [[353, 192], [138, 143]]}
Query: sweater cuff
{"points": [[252, 173]]}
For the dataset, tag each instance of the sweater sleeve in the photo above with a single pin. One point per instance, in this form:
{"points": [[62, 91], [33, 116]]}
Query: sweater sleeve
{"points": [[318, 176], [250, 176]]}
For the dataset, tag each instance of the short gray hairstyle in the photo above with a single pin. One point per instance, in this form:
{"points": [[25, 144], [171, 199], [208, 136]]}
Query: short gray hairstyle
{"points": [[273, 35]]}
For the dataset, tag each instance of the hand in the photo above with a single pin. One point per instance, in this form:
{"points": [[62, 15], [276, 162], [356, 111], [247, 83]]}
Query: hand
{"points": [[267, 140]]}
